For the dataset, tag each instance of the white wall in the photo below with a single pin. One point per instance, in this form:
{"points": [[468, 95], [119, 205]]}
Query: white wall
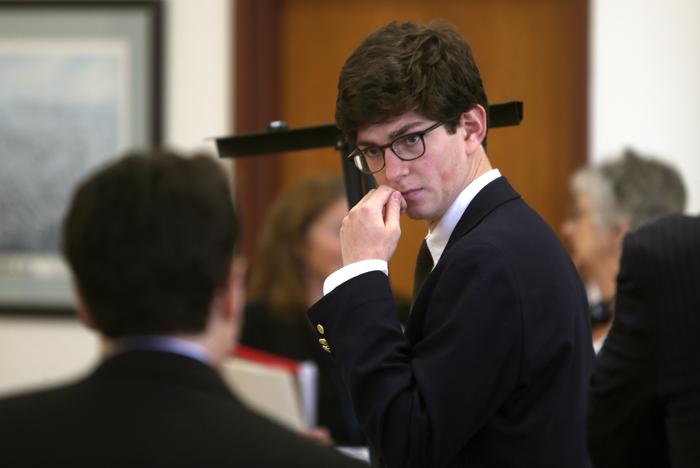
{"points": [[645, 77], [198, 72], [38, 352]]}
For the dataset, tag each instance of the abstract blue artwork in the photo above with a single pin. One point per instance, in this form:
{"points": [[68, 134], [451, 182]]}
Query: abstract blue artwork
{"points": [[62, 113], [78, 87]]}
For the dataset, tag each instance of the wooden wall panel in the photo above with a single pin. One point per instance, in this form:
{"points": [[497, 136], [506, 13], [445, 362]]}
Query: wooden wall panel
{"points": [[530, 50], [257, 102]]}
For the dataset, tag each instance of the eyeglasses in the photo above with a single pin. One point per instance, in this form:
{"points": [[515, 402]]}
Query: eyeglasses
{"points": [[406, 147]]}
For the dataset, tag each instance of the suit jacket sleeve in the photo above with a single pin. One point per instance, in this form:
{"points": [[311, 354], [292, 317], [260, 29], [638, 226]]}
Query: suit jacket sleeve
{"points": [[622, 407], [465, 363]]}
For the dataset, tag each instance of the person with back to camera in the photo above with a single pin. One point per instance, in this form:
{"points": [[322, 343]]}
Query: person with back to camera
{"points": [[644, 401], [150, 242], [493, 367], [609, 200]]}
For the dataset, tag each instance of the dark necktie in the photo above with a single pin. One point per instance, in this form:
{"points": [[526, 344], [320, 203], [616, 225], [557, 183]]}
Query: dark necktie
{"points": [[424, 264]]}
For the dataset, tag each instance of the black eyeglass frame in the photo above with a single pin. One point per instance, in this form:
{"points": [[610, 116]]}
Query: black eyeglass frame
{"points": [[358, 153]]}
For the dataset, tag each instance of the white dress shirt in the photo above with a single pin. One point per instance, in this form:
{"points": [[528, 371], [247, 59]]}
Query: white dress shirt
{"points": [[436, 239]]}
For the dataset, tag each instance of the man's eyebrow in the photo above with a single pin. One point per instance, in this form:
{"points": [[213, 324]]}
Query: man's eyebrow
{"points": [[404, 129], [399, 131]]}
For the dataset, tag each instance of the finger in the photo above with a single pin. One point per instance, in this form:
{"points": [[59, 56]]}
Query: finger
{"points": [[404, 205], [366, 196], [362, 200], [379, 197], [393, 211]]}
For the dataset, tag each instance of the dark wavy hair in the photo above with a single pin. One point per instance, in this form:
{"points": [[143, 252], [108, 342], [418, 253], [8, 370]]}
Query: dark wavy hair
{"points": [[150, 239], [406, 67]]}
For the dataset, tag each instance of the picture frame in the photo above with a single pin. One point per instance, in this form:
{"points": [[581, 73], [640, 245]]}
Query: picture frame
{"points": [[80, 84]]}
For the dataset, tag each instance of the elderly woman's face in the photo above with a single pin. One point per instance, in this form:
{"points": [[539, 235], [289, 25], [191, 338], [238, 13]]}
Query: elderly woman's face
{"points": [[322, 253], [590, 244]]}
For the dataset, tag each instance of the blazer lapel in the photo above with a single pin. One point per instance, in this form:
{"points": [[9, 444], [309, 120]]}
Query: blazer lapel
{"points": [[488, 199]]}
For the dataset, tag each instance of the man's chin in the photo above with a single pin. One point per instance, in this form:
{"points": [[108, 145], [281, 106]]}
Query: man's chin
{"points": [[414, 212]]}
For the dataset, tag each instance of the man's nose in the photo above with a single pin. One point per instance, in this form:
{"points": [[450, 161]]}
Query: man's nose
{"points": [[394, 168]]}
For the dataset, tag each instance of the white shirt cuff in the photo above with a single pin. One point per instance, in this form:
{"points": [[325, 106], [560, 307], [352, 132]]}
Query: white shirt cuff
{"points": [[352, 270]]}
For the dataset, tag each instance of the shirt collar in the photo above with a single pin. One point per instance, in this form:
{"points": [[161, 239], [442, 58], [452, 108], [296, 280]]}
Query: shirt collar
{"points": [[164, 344], [438, 236]]}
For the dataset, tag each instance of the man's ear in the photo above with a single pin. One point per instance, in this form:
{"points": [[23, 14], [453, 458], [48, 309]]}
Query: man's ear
{"points": [[83, 310], [474, 124]]}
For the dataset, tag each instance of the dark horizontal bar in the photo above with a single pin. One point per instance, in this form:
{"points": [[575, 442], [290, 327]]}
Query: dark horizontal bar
{"points": [[507, 114], [44, 311], [321, 136], [278, 141]]}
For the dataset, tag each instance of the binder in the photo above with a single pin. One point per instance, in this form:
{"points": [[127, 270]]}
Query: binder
{"points": [[280, 388]]}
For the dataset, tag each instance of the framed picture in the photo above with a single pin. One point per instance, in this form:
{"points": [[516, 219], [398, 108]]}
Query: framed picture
{"points": [[80, 83]]}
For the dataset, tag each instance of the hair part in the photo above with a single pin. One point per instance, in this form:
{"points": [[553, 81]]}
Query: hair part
{"points": [[150, 239]]}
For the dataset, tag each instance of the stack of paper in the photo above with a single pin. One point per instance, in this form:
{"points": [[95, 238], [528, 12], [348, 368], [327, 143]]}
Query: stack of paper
{"points": [[282, 389]]}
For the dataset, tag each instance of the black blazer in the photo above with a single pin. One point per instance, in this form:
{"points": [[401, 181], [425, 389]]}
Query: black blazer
{"points": [[148, 408], [644, 406], [494, 365]]}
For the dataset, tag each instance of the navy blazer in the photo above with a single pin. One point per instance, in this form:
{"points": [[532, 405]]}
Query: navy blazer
{"points": [[644, 408], [149, 408], [494, 364]]}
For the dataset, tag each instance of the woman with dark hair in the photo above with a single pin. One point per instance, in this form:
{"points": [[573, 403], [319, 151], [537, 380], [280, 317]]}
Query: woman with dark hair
{"points": [[298, 249], [300, 245]]}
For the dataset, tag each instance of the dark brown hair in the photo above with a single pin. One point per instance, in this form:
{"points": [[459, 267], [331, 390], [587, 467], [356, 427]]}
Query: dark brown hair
{"points": [[277, 278], [150, 239], [406, 67]]}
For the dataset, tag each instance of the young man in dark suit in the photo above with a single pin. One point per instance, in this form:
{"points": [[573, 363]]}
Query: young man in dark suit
{"points": [[493, 367], [150, 241], [644, 408]]}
